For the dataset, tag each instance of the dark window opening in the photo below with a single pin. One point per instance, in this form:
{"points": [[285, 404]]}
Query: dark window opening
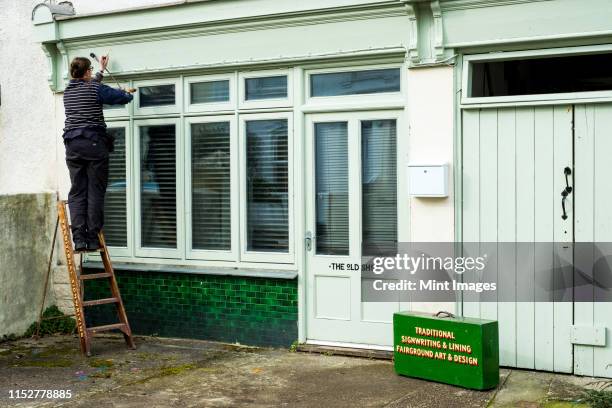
{"points": [[577, 73]]}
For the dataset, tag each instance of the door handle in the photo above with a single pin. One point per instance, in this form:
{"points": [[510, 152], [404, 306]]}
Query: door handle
{"points": [[567, 171], [566, 191], [308, 241], [564, 195]]}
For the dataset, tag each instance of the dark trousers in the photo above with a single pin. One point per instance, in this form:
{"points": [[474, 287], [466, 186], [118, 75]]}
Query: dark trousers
{"points": [[87, 161]]}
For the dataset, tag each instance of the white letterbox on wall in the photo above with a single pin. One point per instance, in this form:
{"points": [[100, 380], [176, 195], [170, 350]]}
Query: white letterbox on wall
{"points": [[428, 180]]}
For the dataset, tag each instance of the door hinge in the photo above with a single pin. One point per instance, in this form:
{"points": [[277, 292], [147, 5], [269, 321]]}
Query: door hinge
{"points": [[588, 335]]}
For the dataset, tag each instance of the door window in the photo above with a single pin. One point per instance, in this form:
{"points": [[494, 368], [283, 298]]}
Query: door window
{"points": [[378, 186], [331, 188]]}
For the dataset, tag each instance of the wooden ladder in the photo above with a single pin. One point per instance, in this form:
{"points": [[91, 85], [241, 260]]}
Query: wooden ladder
{"points": [[77, 283]]}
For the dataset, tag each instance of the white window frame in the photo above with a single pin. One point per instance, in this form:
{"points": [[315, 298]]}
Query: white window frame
{"points": [[375, 99], [216, 255], [126, 251], [265, 103], [310, 134], [468, 61], [140, 251], [355, 187], [258, 256], [211, 106], [159, 110], [401, 188]]}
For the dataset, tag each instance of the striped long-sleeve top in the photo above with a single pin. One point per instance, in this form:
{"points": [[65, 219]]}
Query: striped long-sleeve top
{"points": [[83, 103]]}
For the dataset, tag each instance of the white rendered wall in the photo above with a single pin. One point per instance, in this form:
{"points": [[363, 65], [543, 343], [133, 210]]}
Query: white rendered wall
{"points": [[431, 118], [27, 133], [430, 111]]}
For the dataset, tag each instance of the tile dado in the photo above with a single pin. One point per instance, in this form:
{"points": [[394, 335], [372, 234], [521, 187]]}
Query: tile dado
{"points": [[252, 311]]}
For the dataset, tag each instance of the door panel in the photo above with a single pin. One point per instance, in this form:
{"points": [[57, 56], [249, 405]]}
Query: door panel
{"points": [[593, 168], [351, 187], [513, 161]]}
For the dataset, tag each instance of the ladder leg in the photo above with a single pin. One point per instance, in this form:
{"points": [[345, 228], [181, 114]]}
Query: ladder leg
{"points": [[42, 304], [74, 279], [108, 267], [80, 272]]}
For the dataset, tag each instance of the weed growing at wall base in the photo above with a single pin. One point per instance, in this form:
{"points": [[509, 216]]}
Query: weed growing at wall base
{"points": [[56, 323]]}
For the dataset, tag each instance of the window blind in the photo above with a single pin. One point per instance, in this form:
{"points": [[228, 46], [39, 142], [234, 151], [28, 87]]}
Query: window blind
{"points": [[115, 203], [210, 91], [355, 82], [158, 186], [210, 186], [267, 185], [266, 88], [331, 184], [379, 186]]}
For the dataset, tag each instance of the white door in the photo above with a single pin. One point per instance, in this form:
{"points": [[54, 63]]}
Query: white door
{"points": [[351, 199], [514, 162]]}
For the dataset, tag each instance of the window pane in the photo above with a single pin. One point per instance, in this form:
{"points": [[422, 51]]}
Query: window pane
{"points": [[115, 203], [267, 187], [331, 157], [379, 186], [355, 82], [158, 95], [158, 186], [207, 92], [210, 186], [575, 73], [266, 88]]}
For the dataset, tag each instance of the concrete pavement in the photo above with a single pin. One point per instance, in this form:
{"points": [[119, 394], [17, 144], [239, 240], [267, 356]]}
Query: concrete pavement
{"points": [[188, 373]]}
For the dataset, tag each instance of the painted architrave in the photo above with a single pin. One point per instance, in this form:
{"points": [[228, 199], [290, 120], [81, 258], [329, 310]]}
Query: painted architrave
{"points": [[483, 23], [376, 27]]}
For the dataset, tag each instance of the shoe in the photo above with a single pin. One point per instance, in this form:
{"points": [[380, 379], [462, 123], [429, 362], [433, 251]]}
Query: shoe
{"points": [[80, 246]]}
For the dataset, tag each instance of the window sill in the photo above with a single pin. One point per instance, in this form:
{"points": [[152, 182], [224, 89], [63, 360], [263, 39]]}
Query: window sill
{"points": [[243, 272]]}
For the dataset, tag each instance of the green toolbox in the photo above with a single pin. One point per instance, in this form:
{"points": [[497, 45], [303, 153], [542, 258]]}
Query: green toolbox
{"points": [[444, 348]]}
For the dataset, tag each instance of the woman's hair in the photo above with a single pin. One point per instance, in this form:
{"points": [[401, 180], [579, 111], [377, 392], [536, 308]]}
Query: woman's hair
{"points": [[79, 66]]}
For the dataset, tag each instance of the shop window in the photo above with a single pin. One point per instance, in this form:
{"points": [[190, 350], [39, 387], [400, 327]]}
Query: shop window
{"points": [[331, 175], [115, 204], [545, 75], [211, 186], [355, 82], [158, 95], [379, 186], [267, 187], [273, 87], [209, 92], [158, 186]]}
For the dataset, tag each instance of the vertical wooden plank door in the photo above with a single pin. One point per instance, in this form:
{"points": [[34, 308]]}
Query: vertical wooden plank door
{"points": [[513, 175]]}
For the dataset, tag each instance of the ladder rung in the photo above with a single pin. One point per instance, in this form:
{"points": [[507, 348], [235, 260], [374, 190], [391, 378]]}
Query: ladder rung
{"points": [[95, 276], [100, 301], [108, 327]]}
